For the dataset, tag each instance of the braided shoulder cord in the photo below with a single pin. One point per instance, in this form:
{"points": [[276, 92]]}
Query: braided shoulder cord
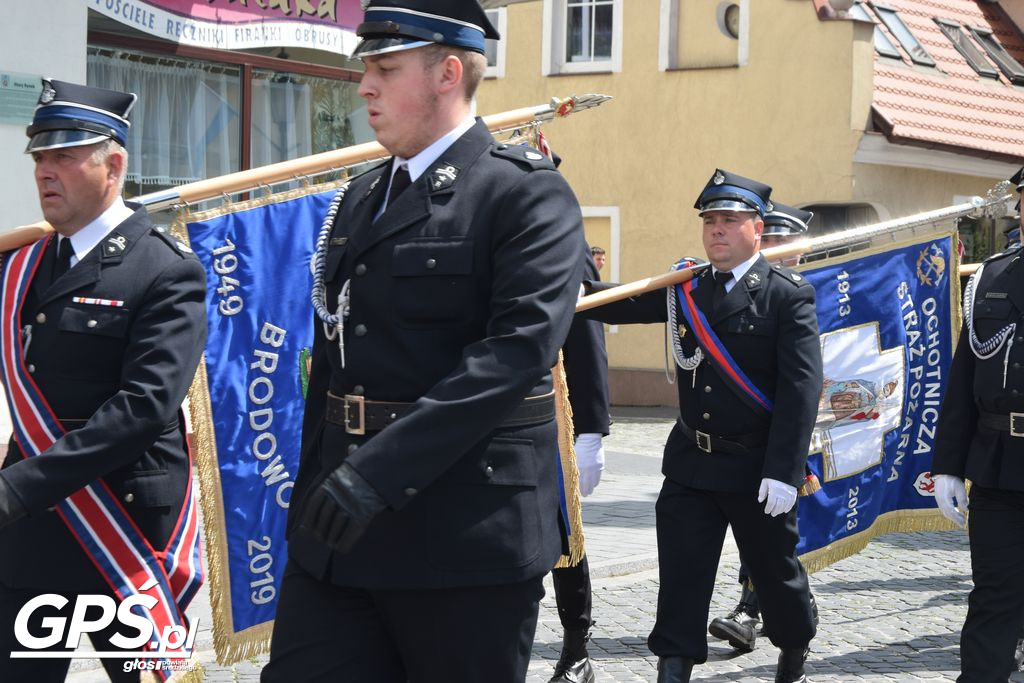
{"points": [[318, 295], [682, 360], [987, 349]]}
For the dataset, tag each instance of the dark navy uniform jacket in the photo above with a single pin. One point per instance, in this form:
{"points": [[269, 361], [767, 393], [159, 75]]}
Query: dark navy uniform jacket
{"points": [[769, 325], [586, 368], [462, 292], [116, 378], [988, 457]]}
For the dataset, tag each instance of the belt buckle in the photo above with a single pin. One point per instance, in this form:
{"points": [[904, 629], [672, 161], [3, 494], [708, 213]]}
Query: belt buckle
{"points": [[703, 441], [1016, 424], [351, 401]]}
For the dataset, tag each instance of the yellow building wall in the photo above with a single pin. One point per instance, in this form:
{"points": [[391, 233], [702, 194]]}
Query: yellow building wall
{"points": [[791, 117]]}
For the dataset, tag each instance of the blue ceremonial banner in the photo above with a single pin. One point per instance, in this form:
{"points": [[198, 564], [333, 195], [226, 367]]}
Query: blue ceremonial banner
{"points": [[887, 329], [249, 422]]}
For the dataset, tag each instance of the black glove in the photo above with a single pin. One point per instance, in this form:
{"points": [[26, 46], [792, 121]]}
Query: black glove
{"points": [[11, 507], [340, 509]]}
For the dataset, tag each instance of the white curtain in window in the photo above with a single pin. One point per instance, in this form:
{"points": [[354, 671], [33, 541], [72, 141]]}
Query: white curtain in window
{"points": [[281, 119], [185, 123]]}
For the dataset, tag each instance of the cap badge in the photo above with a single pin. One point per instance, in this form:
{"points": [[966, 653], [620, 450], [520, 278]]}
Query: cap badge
{"points": [[48, 94], [718, 179], [769, 207]]}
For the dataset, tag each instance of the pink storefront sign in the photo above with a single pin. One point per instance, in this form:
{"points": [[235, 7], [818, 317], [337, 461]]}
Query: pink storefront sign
{"points": [[239, 24]]}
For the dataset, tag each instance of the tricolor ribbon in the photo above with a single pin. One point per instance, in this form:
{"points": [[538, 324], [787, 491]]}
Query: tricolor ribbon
{"points": [[94, 515]]}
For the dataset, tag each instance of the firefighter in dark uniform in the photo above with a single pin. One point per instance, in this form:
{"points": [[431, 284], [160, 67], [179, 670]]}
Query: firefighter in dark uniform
{"points": [[782, 225], [586, 371], [426, 507], [736, 455], [980, 437], [113, 328]]}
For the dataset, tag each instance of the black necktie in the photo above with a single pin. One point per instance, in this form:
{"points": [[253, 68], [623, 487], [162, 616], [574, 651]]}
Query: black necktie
{"points": [[64, 253], [721, 278], [399, 182]]}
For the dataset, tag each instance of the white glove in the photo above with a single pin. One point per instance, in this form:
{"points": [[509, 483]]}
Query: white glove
{"points": [[951, 497], [781, 497], [589, 461]]}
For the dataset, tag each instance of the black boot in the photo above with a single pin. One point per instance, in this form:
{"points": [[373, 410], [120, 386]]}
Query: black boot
{"points": [[739, 627], [574, 663], [674, 669], [791, 666]]}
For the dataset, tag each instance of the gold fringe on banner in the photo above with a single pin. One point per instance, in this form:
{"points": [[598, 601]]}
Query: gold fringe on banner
{"points": [[892, 522], [570, 473], [231, 647]]}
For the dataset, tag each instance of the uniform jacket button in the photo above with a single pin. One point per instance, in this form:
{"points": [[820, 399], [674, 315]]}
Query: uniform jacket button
{"points": [[361, 269], [750, 327], [41, 318], [358, 390], [707, 390], [1016, 366], [129, 497], [91, 323], [431, 263], [706, 416], [31, 368], [360, 330], [352, 448], [410, 492], [489, 470]]}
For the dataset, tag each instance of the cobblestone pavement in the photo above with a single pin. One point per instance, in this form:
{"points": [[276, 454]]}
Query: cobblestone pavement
{"points": [[891, 613]]}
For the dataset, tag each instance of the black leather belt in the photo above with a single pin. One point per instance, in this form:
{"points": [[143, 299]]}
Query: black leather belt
{"points": [[359, 415], [1003, 422], [737, 444]]}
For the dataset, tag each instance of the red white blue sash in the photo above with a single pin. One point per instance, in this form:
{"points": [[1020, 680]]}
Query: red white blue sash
{"points": [[716, 353], [94, 515]]}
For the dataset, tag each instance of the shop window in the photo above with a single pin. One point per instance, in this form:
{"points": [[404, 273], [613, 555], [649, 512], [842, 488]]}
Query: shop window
{"points": [[193, 120]]}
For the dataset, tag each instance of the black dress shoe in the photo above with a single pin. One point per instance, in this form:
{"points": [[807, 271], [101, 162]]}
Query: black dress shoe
{"points": [[574, 663], [791, 666], [674, 669], [739, 627]]}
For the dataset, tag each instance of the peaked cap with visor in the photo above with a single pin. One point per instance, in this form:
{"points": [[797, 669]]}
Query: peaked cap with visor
{"points": [[71, 115], [394, 25]]}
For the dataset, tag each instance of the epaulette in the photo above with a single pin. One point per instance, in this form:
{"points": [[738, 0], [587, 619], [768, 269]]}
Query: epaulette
{"points": [[524, 155], [1012, 251], [789, 275], [178, 246]]}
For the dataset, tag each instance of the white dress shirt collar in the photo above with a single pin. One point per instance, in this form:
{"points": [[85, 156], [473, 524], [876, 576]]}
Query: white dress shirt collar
{"points": [[739, 271], [419, 164], [92, 234]]}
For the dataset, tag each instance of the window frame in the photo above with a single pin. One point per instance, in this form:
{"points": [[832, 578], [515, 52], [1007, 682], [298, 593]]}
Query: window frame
{"points": [[501, 24], [1007, 63], [892, 20], [892, 52], [555, 26], [977, 60], [246, 61]]}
